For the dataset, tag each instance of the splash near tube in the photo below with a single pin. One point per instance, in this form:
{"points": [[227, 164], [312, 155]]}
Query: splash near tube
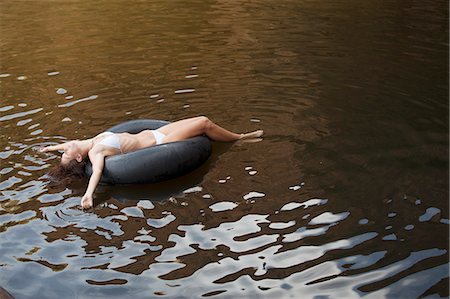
{"points": [[156, 163]]}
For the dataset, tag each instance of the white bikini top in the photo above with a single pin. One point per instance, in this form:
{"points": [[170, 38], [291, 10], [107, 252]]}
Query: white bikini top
{"points": [[111, 140]]}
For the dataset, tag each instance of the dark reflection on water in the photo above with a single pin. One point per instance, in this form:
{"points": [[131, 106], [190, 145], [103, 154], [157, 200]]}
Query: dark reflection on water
{"points": [[346, 196]]}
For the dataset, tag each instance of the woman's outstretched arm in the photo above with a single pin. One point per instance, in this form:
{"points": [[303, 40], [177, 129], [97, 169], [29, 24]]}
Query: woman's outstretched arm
{"points": [[98, 161], [57, 147]]}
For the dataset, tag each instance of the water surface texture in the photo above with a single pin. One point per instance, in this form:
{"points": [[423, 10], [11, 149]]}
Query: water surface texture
{"points": [[345, 197]]}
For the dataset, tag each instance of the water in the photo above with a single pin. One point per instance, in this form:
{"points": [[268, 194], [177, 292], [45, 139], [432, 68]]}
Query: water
{"points": [[346, 196]]}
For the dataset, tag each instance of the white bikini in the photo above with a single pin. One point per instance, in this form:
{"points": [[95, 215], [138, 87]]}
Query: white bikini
{"points": [[112, 139], [158, 136]]}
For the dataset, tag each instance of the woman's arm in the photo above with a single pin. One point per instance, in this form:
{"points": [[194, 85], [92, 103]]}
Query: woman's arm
{"points": [[98, 161], [58, 147]]}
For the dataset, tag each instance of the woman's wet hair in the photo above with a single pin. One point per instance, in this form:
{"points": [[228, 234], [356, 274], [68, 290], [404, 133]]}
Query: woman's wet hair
{"points": [[71, 170]]}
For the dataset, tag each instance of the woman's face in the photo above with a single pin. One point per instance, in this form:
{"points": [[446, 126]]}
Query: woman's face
{"points": [[71, 152]]}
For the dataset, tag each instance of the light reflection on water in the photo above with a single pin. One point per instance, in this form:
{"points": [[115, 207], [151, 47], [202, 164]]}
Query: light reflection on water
{"points": [[346, 196]]}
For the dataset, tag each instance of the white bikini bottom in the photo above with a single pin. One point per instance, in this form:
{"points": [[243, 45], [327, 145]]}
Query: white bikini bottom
{"points": [[158, 136]]}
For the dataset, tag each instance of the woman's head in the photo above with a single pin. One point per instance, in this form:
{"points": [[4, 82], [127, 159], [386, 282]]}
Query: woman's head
{"points": [[72, 152]]}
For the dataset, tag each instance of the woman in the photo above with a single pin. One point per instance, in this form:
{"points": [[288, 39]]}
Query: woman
{"points": [[109, 144]]}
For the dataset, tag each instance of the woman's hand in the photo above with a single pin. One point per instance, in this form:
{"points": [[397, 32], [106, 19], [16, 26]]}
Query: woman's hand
{"points": [[44, 149], [87, 201]]}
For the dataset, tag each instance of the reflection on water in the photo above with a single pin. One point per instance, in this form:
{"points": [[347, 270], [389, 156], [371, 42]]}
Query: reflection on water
{"points": [[345, 197]]}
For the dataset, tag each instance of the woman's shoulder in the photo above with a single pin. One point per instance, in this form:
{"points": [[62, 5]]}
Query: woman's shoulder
{"points": [[98, 149]]}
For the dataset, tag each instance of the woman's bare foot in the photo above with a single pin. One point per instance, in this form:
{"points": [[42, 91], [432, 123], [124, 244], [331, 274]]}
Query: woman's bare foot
{"points": [[251, 135]]}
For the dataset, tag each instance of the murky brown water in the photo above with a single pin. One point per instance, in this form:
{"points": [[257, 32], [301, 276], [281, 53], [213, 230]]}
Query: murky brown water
{"points": [[346, 196]]}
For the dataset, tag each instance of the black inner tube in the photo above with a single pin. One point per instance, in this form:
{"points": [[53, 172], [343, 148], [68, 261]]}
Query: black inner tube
{"points": [[156, 163]]}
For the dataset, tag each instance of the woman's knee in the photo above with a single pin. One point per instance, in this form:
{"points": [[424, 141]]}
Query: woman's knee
{"points": [[204, 122]]}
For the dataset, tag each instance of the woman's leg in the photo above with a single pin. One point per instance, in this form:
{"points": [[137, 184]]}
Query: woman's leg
{"points": [[200, 125]]}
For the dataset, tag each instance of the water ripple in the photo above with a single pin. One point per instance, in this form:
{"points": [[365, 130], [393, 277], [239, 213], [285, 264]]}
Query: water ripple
{"points": [[20, 114]]}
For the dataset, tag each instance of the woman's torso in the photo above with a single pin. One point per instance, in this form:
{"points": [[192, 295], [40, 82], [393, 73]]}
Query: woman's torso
{"points": [[117, 143]]}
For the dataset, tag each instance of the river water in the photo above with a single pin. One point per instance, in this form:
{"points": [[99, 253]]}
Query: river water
{"points": [[345, 197]]}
